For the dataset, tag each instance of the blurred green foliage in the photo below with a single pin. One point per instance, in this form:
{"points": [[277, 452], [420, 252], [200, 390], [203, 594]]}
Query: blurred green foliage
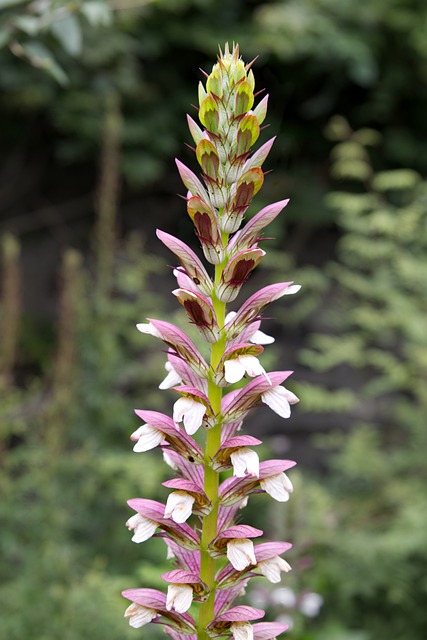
{"points": [[367, 520], [66, 471]]}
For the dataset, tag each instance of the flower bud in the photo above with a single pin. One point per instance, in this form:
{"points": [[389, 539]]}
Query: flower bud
{"points": [[207, 157], [237, 271]]}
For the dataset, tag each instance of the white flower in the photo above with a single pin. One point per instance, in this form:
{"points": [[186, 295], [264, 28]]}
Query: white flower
{"points": [[139, 615], [190, 412], [147, 438], [278, 486], [143, 527], [172, 379], [310, 604], [235, 368], [180, 597], [179, 506], [240, 552], [284, 597], [242, 631], [245, 460], [149, 328], [272, 567], [279, 400]]}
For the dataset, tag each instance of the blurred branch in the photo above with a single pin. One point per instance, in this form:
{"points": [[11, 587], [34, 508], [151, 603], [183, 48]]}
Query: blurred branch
{"points": [[108, 195], [11, 305]]}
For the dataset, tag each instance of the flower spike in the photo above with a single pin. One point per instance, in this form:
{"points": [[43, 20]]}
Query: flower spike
{"points": [[215, 555]]}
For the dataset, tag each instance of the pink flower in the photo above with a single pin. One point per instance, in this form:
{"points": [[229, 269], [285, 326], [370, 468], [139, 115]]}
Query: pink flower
{"points": [[175, 437], [237, 271], [189, 261], [240, 552], [190, 412], [180, 343], [149, 604], [250, 310], [279, 399], [245, 461], [139, 615], [179, 506], [200, 313], [146, 438], [240, 614], [172, 378], [278, 486], [250, 234], [143, 527], [184, 585]]}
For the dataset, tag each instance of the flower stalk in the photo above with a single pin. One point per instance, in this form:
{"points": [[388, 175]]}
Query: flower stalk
{"points": [[214, 557]]}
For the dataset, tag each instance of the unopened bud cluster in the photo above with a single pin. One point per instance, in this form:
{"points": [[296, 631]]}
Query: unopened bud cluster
{"points": [[214, 558]]}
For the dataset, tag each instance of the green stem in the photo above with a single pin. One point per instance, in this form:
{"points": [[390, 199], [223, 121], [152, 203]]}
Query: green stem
{"points": [[213, 441]]}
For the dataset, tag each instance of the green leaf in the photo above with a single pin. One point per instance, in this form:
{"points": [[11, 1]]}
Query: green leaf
{"points": [[5, 35], [40, 57], [397, 179], [351, 169], [98, 14], [29, 24], [69, 34], [6, 4], [367, 137], [337, 129]]}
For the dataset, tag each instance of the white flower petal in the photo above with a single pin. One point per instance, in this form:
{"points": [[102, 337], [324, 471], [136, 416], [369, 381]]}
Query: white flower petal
{"points": [[233, 370], [279, 400], [172, 379], [230, 315], [142, 527], [180, 597], [181, 406], [190, 412], [148, 438], [148, 328], [259, 337], [252, 365], [179, 506], [245, 460], [240, 552], [272, 567], [242, 631], [293, 288], [278, 486], [139, 615], [244, 502]]}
